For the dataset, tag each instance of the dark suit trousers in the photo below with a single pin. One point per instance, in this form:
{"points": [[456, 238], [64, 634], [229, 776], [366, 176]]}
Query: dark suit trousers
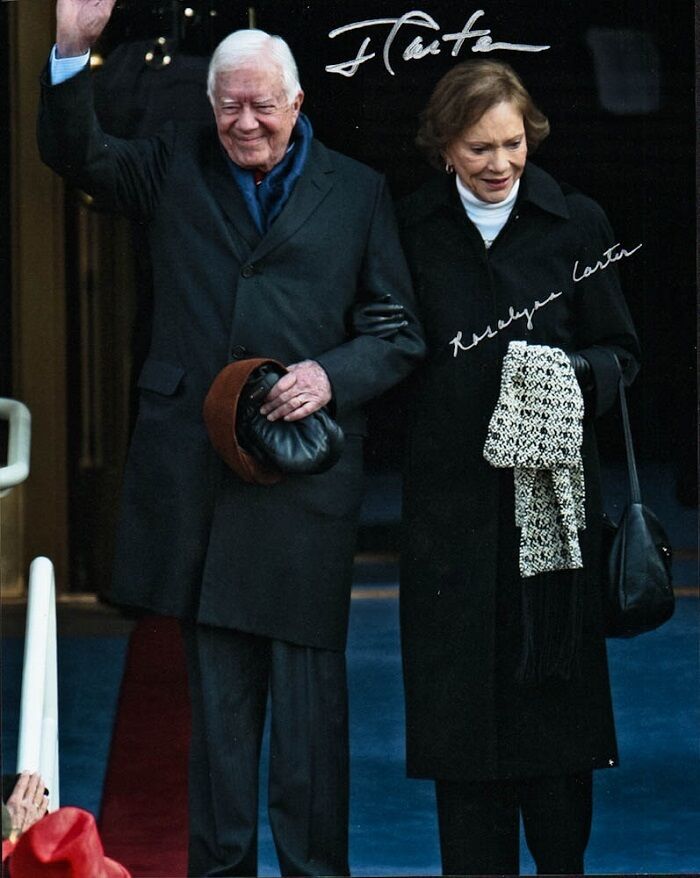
{"points": [[230, 676], [480, 824]]}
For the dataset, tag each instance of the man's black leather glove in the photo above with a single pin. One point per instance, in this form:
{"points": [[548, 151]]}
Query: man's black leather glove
{"points": [[305, 447], [383, 318]]}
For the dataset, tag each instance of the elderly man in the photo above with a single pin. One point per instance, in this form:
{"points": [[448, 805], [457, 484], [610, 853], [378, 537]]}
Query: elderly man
{"points": [[264, 243]]}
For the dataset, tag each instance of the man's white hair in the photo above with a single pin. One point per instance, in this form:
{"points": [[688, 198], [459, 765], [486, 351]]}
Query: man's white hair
{"points": [[243, 46]]}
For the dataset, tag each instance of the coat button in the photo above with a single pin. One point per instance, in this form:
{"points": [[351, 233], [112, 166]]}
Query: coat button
{"points": [[238, 352], [248, 270]]}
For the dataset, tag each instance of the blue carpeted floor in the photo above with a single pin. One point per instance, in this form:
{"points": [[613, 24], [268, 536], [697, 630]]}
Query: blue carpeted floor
{"points": [[646, 811]]}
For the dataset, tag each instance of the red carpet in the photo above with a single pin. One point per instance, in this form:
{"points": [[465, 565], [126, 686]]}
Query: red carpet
{"points": [[143, 822]]}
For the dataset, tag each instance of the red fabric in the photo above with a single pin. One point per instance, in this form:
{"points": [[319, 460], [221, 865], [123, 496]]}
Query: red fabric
{"points": [[144, 804], [64, 844], [7, 848]]}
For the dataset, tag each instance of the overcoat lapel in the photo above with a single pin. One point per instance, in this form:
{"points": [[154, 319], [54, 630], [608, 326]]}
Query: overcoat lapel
{"points": [[245, 236], [311, 189]]}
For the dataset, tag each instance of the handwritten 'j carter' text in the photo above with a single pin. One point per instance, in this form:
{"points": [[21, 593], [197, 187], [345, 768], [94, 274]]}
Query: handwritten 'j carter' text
{"points": [[417, 49]]}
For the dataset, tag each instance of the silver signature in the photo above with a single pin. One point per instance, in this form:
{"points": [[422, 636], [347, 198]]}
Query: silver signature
{"points": [[512, 315], [417, 49], [612, 254]]}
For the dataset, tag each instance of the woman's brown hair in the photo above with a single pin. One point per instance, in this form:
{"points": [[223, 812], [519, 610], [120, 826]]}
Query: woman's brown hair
{"points": [[462, 97]]}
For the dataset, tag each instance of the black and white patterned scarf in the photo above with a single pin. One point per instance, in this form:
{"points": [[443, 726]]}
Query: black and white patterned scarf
{"points": [[537, 430]]}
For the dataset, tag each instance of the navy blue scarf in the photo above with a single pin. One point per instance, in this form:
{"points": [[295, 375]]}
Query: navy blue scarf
{"points": [[265, 200]]}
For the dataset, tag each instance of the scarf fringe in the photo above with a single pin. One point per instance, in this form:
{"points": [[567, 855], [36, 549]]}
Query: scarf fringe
{"points": [[552, 613]]}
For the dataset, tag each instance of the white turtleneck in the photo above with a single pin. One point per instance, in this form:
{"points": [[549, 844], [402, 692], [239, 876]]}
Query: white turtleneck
{"points": [[488, 218]]}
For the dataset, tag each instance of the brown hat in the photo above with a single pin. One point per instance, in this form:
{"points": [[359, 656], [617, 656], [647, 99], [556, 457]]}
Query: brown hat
{"points": [[64, 844], [220, 408]]}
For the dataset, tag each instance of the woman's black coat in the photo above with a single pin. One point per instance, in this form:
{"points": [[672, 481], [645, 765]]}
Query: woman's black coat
{"points": [[467, 718]]}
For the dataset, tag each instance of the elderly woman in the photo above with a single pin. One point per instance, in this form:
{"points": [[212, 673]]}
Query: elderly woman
{"points": [[507, 691]]}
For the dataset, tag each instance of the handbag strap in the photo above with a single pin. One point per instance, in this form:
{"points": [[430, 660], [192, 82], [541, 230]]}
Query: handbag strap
{"points": [[635, 494]]}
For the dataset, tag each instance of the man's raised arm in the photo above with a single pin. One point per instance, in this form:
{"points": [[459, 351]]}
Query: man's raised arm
{"points": [[123, 175]]}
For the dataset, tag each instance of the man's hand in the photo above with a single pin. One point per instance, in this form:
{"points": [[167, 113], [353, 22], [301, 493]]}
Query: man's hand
{"points": [[79, 23], [302, 391], [27, 802]]}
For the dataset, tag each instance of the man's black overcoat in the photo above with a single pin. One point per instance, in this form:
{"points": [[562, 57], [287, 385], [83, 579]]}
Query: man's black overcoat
{"points": [[460, 590], [194, 541]]}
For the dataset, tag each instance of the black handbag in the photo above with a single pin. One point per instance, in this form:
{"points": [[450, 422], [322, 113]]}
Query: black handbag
{"points": [[638, 592]]}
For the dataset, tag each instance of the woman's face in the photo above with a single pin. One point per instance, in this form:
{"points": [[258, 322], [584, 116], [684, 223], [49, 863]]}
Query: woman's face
{"points": [[490, 155]]}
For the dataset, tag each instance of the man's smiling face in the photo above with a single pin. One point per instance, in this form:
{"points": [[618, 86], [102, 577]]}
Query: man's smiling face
{"points": [[254, 117]]}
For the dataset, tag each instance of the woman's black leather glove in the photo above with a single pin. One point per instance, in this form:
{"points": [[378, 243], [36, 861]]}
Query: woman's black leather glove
{"points": [[583, 371], [382, 318], [305, 447]]}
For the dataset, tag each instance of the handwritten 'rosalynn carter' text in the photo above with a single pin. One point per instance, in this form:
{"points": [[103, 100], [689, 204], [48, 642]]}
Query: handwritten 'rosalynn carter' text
{"points": [[417, 49], [512, 315], [609, 256], [612, 254]]}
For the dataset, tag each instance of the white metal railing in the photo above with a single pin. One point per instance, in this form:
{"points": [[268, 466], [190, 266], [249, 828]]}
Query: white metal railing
{"points": [[19, 440], [37, 747], [38, 720]]}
